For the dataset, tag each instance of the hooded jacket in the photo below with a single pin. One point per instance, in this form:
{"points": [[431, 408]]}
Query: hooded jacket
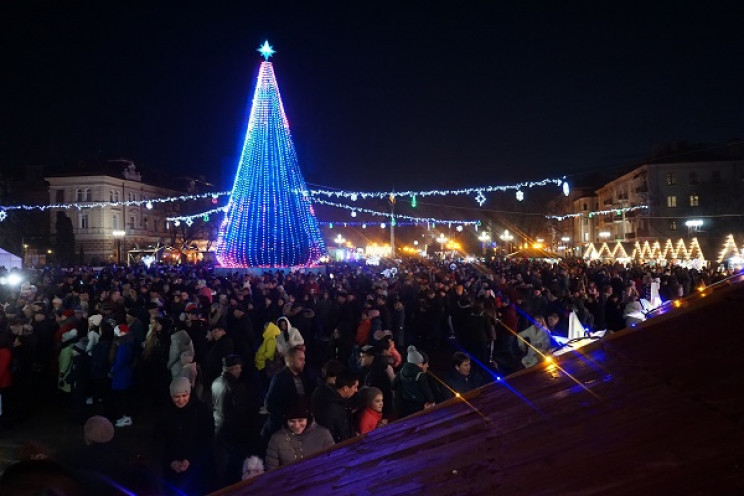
{"points": [[180, 342], [267, 350], [295, 338]]}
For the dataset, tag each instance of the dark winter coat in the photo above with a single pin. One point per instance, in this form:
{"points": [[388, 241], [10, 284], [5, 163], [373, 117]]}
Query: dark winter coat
{"points": [[282, 397], [412, 390], [231, 408], [333, 412], [461, 383], [186, 434]]}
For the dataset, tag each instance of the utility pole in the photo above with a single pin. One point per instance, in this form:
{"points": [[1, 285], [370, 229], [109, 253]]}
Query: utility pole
{"points": [[391, 199]]}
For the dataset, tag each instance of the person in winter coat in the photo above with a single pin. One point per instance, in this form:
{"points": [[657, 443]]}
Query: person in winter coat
{"points": [[6, 378], [289, 337], [266, 353], [180, 342], [235, 418], [411, 386], [461, 378], [298, 439], [65, 365], [371, 415], [185, 434], [122, 373], [154, 375], [633, 312], [332, 408], [377, 373], [289, 388], [540, 341], [476, 333], [363, 330], [220, 345], [100, 367]]}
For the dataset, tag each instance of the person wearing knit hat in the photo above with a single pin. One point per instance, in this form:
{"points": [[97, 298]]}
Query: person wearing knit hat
{"points": [[98, 429], [183, 433], [411, 385], [414, 356], [180, 391]]}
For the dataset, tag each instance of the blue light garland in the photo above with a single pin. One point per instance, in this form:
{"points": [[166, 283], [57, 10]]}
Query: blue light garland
{"points": [[269, 221]]}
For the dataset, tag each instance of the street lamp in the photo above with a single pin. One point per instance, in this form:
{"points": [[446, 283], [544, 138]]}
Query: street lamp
{"points": [[507, 238], [441, 239], [484, 238], [117, 236]]}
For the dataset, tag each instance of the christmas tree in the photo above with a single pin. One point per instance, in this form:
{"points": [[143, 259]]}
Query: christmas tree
{"points": [[269, 221]]}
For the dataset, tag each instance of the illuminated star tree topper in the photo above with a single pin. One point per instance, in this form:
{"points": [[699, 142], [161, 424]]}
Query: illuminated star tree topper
{"points": [[266, 50]]}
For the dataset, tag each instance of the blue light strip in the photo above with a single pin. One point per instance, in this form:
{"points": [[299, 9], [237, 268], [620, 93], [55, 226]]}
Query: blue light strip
{"points": [[269, 222]]}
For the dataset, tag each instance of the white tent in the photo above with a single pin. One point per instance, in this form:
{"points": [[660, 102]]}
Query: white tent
{"points": [[9, 261]]}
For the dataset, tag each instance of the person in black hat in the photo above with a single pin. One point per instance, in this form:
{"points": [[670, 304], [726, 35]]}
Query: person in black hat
{"points": [[299, 438], [235, 414]]}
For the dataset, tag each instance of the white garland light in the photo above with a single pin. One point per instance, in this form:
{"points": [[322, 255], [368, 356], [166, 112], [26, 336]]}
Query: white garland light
{"points": [[596, 212], [353, 195], [187, 218], [101, 204]]}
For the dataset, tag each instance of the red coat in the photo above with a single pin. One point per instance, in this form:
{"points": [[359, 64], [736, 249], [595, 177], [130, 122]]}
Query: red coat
{"points": [[6, 378], [362, 333], [368, 420]]}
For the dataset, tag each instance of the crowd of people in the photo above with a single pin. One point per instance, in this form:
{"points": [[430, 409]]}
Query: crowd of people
{"points": [[251, 372]]}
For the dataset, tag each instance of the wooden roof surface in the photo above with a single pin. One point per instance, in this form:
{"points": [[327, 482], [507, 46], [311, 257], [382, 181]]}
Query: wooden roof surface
{"points": [[654, 410]]}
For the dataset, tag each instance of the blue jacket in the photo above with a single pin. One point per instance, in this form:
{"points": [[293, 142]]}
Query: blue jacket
{"points": [[122, 370]]}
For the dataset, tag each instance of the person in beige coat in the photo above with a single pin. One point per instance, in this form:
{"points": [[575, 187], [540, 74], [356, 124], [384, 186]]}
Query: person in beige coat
{"points": [[300, 438]]}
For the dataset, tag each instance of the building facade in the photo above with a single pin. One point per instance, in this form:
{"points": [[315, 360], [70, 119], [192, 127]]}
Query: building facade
{"points": [[106, 234], [681, 199]]}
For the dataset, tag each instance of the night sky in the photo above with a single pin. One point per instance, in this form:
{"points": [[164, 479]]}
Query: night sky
{"points": [[377, 95]]}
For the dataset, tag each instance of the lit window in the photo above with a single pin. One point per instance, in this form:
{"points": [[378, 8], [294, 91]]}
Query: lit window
{"points": [[694, 200], [671, 201], [670, 179]]}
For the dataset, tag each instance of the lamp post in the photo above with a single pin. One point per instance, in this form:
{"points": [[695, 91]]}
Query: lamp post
{"points": [[484, 238], [117, 234], [340, 240], [507, 238], [441, 240]]}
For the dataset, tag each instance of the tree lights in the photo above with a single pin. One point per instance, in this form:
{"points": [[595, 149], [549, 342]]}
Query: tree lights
{"points": [[269, 221]]}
